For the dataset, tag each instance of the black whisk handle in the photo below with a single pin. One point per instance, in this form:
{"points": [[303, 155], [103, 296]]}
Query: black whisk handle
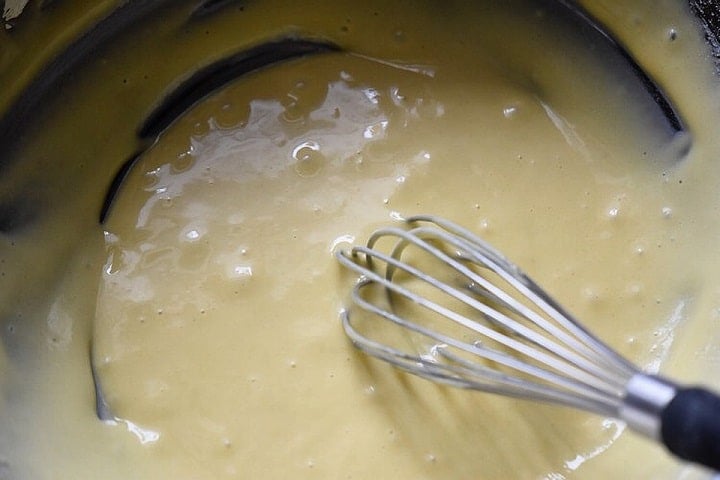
{"points": [[691, 426]]}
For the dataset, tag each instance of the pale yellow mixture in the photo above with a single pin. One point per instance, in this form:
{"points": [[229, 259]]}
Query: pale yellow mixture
{"points": [[215, 334]]}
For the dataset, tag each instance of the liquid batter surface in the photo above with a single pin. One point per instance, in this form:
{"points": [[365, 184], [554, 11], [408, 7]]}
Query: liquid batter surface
{"points": [[214, 294]]}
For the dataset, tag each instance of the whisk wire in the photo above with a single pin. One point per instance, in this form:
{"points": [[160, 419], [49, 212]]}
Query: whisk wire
{"points": [[572, 363], [575, 383], [552, 361], [476, 321], [464, 374], [485, 255], [577, 352]]}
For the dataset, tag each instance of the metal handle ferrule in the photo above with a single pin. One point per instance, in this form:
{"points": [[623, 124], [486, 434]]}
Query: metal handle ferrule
{"points": [[646, 396]]}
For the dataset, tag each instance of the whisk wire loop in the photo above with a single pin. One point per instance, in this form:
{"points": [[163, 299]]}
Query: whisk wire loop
{"points": [[561, 362], [484, 254], [472, 377], [579, 351], [567, 384]]}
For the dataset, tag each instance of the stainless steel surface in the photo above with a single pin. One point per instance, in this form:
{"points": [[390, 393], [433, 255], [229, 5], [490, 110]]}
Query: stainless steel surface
{"points": [[647, 396]]}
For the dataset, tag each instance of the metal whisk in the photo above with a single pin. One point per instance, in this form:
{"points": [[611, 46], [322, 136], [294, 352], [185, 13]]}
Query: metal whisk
{"points": [[440, 303]]}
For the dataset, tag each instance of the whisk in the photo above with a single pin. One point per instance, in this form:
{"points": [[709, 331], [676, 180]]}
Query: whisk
{"points": [[441, 303]]}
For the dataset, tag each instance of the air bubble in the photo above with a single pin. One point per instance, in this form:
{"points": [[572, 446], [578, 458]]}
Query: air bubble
{"points": [[375, 130], [422, 157], [240, 271], [396, 97], [510, 111], [200, 129], [372, 95], [192, 234], [229, 117], [183, 162], [308, 159]]}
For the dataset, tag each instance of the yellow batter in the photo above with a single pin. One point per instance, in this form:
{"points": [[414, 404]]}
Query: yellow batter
{"points": [[215, 333]]}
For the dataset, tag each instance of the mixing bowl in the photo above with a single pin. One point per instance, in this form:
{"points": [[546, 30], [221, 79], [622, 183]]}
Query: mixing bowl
{"points": [[91, 89]]}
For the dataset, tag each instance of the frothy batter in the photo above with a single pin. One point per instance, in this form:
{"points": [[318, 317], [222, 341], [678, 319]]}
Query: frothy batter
{"points": [[215, 334]]}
